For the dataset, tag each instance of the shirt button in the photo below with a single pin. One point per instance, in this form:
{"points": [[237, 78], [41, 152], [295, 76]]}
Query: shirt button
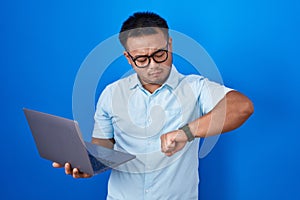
{"points": [[147, 191]]}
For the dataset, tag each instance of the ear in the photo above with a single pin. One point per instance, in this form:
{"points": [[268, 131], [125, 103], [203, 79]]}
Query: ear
{"points": [[170, 48], [127, 57]]}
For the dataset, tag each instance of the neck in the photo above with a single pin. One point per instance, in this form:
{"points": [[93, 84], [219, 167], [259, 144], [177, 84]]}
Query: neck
{"points": [[151, 87]]}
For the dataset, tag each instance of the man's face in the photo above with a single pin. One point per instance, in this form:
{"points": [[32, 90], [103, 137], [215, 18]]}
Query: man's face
{"points": [[155, 73]]}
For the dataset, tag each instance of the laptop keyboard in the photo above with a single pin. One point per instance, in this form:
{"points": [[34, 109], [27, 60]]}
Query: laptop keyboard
{"points": [[100, 164]]}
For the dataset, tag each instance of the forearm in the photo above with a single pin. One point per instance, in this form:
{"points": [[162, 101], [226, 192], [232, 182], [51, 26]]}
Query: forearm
{"points": [[108, 143], [230, 113]]}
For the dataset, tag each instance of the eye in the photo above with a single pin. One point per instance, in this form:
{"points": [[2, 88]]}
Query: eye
{"points": [[141, 59], [159, 54]]}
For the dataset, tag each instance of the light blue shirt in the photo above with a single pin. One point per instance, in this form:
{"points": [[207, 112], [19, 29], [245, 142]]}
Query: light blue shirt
{"points": [[136, 119]]}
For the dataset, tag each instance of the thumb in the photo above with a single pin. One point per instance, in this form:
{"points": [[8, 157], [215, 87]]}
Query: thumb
{"points": [[172, 142]]}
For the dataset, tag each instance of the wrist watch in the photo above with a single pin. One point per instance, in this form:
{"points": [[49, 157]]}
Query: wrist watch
{"points": [[186, 129]]}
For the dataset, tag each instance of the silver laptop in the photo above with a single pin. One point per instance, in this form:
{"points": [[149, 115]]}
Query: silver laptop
{"points": [[59, 139]]}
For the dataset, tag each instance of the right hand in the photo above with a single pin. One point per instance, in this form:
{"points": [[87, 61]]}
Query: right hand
{"points": [[173, 142], [71, 171]]}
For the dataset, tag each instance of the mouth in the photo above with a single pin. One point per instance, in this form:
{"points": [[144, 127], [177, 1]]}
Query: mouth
{"points": [[156, 73]]}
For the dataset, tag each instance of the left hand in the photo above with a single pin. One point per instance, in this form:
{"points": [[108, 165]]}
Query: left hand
{"points": [[71, 171], [173, 142]]}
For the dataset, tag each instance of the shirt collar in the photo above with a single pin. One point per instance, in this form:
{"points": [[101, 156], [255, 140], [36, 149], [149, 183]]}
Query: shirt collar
{"points": [[172, 81], [174, 78], [134, 81]]}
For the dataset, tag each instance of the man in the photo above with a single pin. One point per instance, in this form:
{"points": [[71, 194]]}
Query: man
{"points": [[159, 115]]}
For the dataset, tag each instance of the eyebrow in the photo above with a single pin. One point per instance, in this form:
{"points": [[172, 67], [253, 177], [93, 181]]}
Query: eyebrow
{"points": [[140, 56], [159, 49]]}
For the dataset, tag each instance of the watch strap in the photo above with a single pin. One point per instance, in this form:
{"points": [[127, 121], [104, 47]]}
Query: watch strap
{"points": [[186, 129]]}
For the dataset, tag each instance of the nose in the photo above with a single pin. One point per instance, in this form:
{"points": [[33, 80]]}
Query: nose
{"points": [[152, 64]]}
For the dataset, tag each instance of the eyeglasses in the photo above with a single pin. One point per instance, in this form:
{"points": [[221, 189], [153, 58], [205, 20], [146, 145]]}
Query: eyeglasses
{"points": [[158, 56]]}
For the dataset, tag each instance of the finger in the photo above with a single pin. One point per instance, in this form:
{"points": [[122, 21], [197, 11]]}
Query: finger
{"points": [[169, 153], [56, 165], [78, 174], [162, 143], [171, 144], [170, 149], [166, 143], [68, 169], [75, 173], [173, 139], [176, 135]]}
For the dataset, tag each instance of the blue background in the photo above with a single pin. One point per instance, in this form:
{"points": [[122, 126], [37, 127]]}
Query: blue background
{"points": [[255, 45]]}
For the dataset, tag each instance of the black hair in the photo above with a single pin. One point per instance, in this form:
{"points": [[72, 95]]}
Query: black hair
{"points": [[142, 23]]}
